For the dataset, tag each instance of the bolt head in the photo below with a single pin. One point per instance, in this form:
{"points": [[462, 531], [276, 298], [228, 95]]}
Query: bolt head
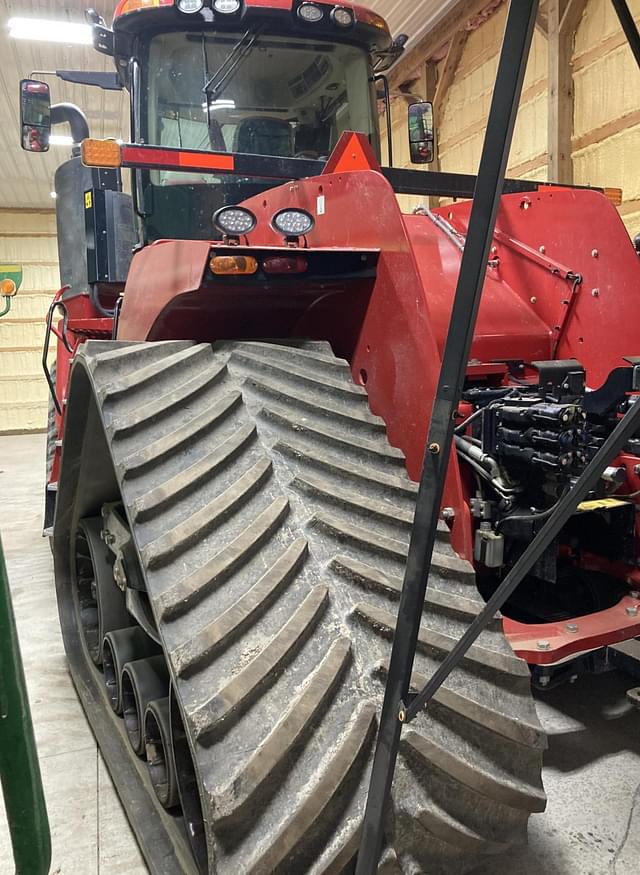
{"points": [[632, 611], [634, 594], [542, 250], [534, 300], [572, 627], [594, 253], [595, 293], [448, 514], [544, 680], [544, 645], [434, 448]]}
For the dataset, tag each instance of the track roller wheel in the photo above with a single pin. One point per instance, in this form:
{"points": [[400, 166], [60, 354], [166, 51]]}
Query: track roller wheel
{"points": [[142, 681], [159, 749], [100, 604], [188, 791], [119, 648]]}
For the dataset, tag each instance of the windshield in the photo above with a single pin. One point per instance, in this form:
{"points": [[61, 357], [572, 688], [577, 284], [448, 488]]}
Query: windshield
{"points": [[266, 95]]}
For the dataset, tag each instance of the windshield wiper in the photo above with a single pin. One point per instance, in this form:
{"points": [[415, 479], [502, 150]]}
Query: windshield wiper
{"points": [[213, 87]]}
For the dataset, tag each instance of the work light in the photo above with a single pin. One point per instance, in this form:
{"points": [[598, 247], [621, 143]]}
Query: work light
{"points": [[342, 17], [226, 7], [234, 221], [293, 223], [190, 6], [310, 12]]}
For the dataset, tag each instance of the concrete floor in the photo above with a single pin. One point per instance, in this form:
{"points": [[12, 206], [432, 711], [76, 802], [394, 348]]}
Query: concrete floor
{"points": [[592, 767]]}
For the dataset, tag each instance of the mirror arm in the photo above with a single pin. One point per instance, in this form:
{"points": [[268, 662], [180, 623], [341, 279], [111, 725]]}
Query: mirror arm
{"points": [[76, 119]]}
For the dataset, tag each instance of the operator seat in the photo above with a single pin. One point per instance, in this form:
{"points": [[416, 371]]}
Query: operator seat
{"points": [[264, 136]]}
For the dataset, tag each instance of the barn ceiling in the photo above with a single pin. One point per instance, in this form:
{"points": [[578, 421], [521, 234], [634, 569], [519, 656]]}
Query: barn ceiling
{"points": [[26, 180]]}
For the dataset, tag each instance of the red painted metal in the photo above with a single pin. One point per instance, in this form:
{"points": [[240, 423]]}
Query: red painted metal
{"points": [[83, 323], [392, 326], [548, 643], [364, 15]]}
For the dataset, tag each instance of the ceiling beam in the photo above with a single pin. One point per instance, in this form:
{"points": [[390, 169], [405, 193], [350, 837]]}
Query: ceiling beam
{"points": [[449, 69], [436, 38]]}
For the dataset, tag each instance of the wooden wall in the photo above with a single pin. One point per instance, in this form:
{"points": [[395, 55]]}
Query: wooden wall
{"points": [[29, 239], [602, 98]]}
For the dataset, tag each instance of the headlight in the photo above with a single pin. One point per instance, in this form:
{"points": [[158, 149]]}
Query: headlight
{"points": [[234, 221], [226, 7], [190, 6], [293, 223], [342, 17], [310, 12]]}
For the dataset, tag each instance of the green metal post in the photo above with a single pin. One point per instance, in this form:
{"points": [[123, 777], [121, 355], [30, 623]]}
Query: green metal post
{"points": [[19, 768]]}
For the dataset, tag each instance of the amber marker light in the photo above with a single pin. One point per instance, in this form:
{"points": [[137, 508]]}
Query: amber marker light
{"points": [[101, 153], [614, 195], [233, 265]]}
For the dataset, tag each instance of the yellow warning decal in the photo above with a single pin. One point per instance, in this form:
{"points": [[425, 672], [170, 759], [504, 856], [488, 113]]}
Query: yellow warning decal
{"points": [[602, 504], [88, 200]]}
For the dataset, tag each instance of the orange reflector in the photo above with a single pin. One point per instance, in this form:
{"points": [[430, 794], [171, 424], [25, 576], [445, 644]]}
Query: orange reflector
{"points": [[233, 265], [8, 288], [101, 153], [614, 195], [365, 16]]}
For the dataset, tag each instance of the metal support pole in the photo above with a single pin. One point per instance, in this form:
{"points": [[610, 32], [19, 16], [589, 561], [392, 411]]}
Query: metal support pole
{"points": [[490, 181], [629, 27], [19, 769]]}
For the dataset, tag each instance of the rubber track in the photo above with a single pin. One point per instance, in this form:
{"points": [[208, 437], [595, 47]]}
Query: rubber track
{"points": [[272, 518]]}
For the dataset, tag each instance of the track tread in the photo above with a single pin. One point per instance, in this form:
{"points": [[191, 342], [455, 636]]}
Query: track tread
{"points": [[272, 519]]}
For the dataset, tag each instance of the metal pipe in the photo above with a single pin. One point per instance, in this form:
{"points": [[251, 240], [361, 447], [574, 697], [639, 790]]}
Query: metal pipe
{"points": [[74, 117], [19, 769], [490, 183]]}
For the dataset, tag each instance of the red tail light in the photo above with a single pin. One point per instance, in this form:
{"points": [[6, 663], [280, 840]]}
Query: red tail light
{"points": [[285, 264]]}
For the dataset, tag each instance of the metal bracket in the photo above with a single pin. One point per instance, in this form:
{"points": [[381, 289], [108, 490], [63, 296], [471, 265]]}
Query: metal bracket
{"points": [[57, 303]]}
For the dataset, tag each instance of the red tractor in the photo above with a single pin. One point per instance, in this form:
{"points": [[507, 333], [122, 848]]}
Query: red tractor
{"points": [[239, 421]]}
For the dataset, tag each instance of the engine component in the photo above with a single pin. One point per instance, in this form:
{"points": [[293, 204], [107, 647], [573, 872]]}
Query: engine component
{"points": [[489, 546]]}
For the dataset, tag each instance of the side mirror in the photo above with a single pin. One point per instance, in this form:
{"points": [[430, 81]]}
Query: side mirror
{"points": [[35, 115], [421, 133]]}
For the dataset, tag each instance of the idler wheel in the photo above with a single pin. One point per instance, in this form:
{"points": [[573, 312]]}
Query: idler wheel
{"points": [[120, 647], [162, 768], [142, 681]]}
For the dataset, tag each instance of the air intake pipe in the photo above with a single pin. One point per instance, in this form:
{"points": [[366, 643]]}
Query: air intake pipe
{"points": [[75, 118]]}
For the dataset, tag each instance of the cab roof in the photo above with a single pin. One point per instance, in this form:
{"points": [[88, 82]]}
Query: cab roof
{"points": [[370, 29]]}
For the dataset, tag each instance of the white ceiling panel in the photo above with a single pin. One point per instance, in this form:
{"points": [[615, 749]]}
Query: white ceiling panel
{"points": [[413, 17], [26, 180]]}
